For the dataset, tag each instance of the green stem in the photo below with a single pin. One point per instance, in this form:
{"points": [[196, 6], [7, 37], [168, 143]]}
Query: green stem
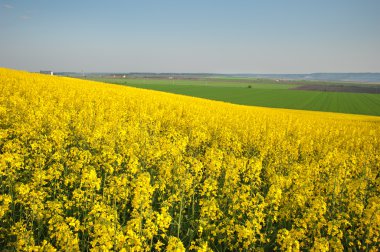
{"points": [[179, 218]]}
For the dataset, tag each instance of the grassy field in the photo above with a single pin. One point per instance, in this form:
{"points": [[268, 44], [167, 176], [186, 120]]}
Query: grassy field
{"points": [[261, 93]]}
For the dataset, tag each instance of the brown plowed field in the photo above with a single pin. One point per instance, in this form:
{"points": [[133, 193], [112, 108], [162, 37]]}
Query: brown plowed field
{"points": [[340, 88]]}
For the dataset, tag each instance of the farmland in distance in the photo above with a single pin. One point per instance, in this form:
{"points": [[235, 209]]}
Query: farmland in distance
{"points": [[341, 97]]}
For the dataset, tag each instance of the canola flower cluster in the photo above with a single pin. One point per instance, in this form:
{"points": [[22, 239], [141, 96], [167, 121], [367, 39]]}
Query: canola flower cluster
{"points": [[99, 167]]}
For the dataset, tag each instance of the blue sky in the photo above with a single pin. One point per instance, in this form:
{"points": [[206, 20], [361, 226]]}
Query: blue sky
{"points": [[235, 36]]}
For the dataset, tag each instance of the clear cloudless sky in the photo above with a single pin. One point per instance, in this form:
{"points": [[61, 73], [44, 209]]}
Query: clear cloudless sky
{"points": [[221, 36]]}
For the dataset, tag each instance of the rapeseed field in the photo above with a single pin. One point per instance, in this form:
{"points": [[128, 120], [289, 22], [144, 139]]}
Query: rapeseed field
{"points": [[91, 166]]}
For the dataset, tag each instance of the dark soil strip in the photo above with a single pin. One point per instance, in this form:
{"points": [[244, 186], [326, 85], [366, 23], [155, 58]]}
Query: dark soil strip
{"points": [[340, 88]]}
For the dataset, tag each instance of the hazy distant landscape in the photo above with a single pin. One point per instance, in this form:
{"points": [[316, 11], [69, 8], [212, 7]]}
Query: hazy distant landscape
{"points": [[342, 77]]}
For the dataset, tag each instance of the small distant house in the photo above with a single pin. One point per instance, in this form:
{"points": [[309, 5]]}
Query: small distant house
{"points": [[118, 76], [47, 72]]}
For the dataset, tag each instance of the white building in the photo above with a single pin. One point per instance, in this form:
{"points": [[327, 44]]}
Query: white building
{"points": [[47, 72]]}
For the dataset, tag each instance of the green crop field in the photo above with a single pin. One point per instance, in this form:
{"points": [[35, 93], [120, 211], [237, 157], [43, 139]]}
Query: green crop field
{"points": [[261, 93]]}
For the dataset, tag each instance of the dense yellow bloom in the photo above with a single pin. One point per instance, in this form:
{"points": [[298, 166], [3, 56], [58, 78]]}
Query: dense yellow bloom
{"points": [[175, 245], [99, 167]]}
